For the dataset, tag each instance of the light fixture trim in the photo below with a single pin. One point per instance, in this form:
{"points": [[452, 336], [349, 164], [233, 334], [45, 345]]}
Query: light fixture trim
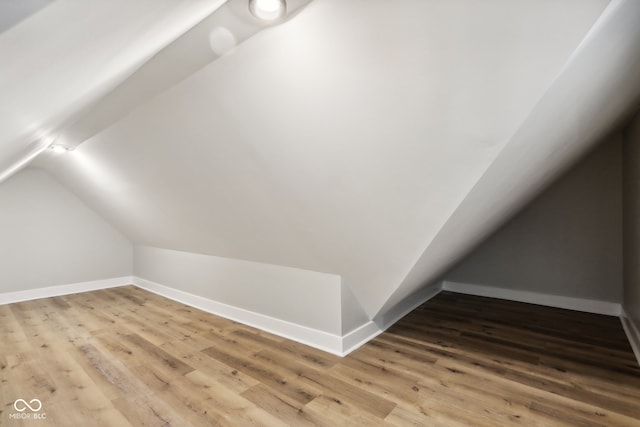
{"points": [[268, 10], [58, 148]]}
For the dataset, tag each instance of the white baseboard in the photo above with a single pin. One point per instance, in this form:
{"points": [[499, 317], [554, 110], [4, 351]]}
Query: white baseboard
{"points": [[359, 336], [578, 304], [365, 333], [331, 343], [633, 333], [312, 337], [55, 291], [407, 305], [324, 341]]}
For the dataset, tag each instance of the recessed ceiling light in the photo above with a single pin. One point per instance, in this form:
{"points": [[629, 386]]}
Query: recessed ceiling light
{"points": [[57, 148], [268, 10]]}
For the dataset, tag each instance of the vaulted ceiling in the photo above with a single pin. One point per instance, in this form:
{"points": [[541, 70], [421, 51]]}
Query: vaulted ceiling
{"points": [[376, 140]]}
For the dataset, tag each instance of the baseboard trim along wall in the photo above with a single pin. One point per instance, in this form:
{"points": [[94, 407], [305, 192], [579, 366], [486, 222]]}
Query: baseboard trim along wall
{"points": [[633, 334], [407, 305], [359, 337], [321, 340], [55, 291], [372, 329], [315, 338], [334, 344], [331, 343], [578, 304]]}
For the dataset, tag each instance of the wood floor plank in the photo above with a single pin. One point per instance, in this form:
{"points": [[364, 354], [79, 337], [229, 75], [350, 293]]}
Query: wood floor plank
{"points": [[148, 410], [227, 377], [332, 387], [336, 412], [309, 356], [235, 409], [288, 410], [126, 357], [417, 416], [153, 354], [273, 378], [386, 383]]}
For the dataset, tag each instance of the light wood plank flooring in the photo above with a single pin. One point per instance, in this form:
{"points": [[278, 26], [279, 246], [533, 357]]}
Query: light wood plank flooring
{"points": [[126, 357]]}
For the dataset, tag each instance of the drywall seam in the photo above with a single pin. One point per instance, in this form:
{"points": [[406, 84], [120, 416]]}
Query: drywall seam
{"points": [[315, 338], [633, 334], [558, 301], [55, 291]]}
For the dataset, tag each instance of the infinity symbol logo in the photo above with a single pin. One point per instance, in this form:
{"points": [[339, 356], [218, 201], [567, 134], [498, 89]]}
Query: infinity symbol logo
{"points": [[26, 405]]}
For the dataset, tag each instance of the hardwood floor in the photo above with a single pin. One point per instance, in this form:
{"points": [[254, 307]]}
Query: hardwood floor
{"points": [[126, 357]]}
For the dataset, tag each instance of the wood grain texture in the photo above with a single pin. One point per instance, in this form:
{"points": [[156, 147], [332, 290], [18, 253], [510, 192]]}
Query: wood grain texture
{"points": [[126, 357]]}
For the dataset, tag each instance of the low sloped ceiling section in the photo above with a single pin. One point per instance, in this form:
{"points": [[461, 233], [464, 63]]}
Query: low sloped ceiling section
{"points": [[60, 59], [341, 141], [599, 88]]}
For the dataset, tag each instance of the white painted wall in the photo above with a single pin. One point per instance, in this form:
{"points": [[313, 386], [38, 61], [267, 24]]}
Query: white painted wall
{"points": [[631, 299], [48, 237], [353, 315], [567, 242], [303, 297]]}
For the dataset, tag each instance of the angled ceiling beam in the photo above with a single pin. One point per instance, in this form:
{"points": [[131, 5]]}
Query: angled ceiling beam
{"points": [[216, 35], [93, 72]]}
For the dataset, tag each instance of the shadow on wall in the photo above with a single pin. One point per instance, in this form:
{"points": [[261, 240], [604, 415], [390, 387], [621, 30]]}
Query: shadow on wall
{"points": [[631, 215], [567, 242]]}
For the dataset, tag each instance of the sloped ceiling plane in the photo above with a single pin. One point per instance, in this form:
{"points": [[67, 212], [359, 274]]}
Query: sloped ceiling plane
{"points": [[375, 140]]}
